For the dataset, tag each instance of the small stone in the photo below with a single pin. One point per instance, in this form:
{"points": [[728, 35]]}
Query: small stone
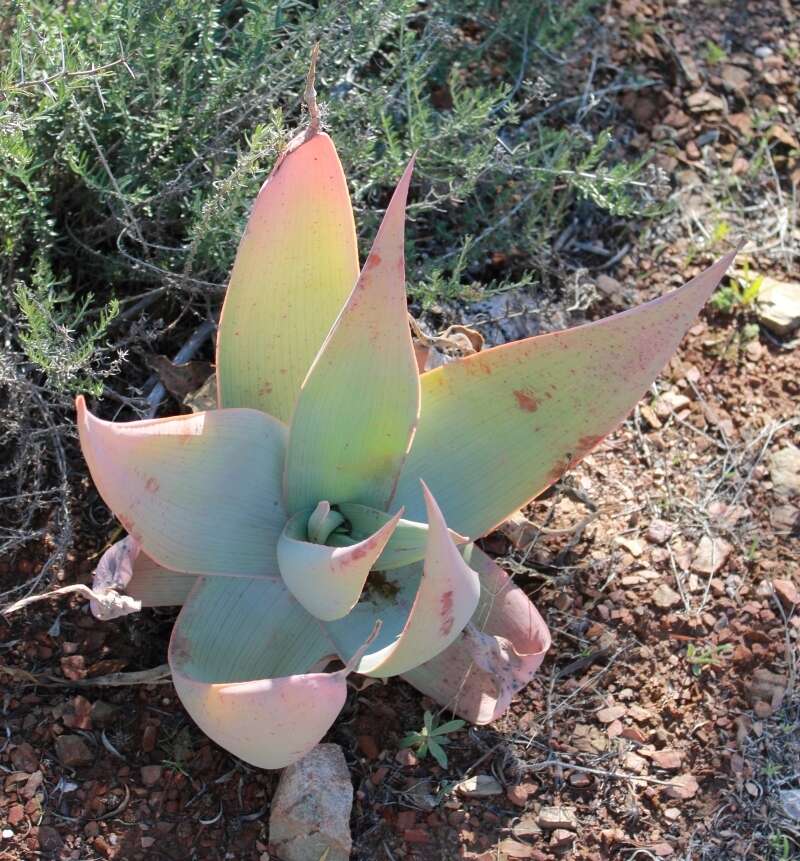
{"points": [[310, 814], [778, 305], [736, 79], [32, 785], [785, 518], [518, 794], [611, 713], [710, 555], [635, 763], [784, 471], [73, 751], [763, 51], [659, 531], [672, 813], [151, 774], [790, 799], [669, 403], [632, 545], [513, 849], [103, 713], [527, 826], [579, 779], [762, 709], [149, 738], [665, 597], [7, 834], [558, 817], [683, 787], [668, 759], [703, 101], [562, 840], [633, 733], [649, 415], [478, 786], [786, 591], [49, 839], [16, 813], [24, 757]]}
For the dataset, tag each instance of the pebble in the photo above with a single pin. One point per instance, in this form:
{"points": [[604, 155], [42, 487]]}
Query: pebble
{"points": [[151, 774], [24, 757], [786, 591], [307, 824], [784, 471], [611, 713], [665, 597], [778, 306], [73, 751], [49, 839], [562, 839], [16, 813], [668, 759], [478, 786], [763, 51], [558, 817], [659, 531], [710, 555]]}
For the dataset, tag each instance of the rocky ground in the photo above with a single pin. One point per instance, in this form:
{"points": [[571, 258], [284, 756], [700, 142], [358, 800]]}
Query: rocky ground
{"points": [[665, 722]]}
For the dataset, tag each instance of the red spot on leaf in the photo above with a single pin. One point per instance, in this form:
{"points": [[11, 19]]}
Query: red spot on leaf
{"points": [[526, 401], [151, 484], [446, 612]]}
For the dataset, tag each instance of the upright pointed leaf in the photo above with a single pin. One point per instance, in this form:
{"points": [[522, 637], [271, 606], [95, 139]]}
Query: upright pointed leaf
{"points": [[246, 661], [201, 493], [498, 427], [421, 615], [327, 581], [497, 654], [359, 404], [296, 265]]}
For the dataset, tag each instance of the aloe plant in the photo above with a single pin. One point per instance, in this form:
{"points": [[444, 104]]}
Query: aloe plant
{"points": [[336, 487]]}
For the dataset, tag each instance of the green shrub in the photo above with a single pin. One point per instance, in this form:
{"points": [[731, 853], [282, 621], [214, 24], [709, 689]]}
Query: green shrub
{"points": [[134, 134]]}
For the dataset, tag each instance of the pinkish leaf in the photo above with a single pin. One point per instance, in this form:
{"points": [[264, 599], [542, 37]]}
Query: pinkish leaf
{"points": [[498, 427], [327, 581], [498, 653], [201, 493], [295, 267], [247, 664], [359, 404]]}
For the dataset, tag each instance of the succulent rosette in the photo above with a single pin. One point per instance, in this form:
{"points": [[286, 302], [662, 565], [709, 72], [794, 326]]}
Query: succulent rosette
{"points": [[336, 486]]}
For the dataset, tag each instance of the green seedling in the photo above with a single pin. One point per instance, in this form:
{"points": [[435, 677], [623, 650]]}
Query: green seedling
{"points": [[432, 738]]}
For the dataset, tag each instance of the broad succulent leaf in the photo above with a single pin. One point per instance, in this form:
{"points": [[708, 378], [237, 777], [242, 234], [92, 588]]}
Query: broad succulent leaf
{"points": [[296, 265], [497, 654], [359, 404], [498, 427], [327, 581], [201, 493], [125, 569], [422, 611], [246, 662]]}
